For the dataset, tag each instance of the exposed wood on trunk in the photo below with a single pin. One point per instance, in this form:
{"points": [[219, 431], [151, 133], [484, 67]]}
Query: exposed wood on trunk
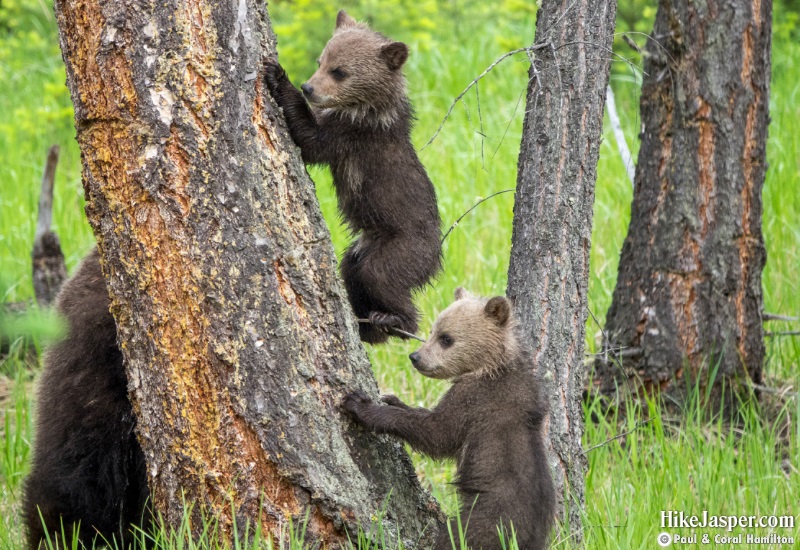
{"points": [[688, 293], [49, 269], [549, 269], [235, 328]]}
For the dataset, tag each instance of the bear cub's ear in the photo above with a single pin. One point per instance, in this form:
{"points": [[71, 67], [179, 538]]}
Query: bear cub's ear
{"points": [[343, 20], [395, 54], [461, 294], [499, 309]]}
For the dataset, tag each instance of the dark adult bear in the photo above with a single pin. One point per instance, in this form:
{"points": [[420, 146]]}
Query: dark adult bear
{"points": [[359, 123], [88, 469], [490, 421]]}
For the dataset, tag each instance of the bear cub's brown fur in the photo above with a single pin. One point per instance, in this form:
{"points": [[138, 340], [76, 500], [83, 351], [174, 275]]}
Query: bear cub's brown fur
{"points": [[88, 473], [490, 421], [359, 123]]}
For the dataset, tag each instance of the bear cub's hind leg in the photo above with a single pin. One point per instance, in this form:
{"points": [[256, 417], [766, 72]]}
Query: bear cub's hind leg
{"points": [[378, 294]]}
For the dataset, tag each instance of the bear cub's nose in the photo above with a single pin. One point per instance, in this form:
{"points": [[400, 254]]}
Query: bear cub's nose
{"points": [[414, 358], [307, 90]]}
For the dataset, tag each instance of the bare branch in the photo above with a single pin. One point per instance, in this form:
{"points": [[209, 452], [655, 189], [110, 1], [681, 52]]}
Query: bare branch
{"points": [[619, 135], [781, 392], [45, 218], [620, 436], [49, 268], [460, 96], [511, 119], [455, 223], [481, 132], [396, 331], [633, 45], [779, 317]]}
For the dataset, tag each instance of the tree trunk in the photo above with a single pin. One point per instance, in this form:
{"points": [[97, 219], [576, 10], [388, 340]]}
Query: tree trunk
{"points": [[688, 296], [237, 336], [549, 269], [49, 268]]}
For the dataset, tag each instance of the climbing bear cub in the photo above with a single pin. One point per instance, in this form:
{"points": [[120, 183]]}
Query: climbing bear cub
{"points": [[359, 123], [88, 467], [490, 421]]}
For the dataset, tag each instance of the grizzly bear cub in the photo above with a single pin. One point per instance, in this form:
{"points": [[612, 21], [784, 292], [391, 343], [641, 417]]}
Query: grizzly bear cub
{"points": [[88, 471], [490, 421], [359, 123]]}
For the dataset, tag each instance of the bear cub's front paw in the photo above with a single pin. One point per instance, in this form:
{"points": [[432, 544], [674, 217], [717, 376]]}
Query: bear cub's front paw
{"points": [[393, 401], [356, 402], [273, 75], [388, 321]]}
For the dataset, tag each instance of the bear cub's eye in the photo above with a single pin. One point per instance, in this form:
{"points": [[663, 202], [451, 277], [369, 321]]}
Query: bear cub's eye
{"points": [[338, 73], [446, 340]]}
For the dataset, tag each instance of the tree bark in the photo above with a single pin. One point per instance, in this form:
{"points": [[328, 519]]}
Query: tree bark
{"points": [[549, 269], [688, 298], [235, 328]]}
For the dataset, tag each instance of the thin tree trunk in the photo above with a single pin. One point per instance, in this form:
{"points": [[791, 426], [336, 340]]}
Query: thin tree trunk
{"points": [[49, 268], [549, 269], [688, 298], [236, 332]]}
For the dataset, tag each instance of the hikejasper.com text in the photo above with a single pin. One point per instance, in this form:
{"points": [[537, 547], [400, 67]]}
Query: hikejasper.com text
{"points": [[674, 519]]}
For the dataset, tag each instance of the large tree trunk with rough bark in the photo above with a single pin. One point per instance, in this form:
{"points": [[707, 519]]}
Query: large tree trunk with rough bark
{"points": [[549, 270], [688, 297], [236, 332]]}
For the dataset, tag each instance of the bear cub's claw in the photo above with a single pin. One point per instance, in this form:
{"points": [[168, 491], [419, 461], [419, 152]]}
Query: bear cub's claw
{"points": [[393, 401], [386, 322], [273, 74], [355, 402]]}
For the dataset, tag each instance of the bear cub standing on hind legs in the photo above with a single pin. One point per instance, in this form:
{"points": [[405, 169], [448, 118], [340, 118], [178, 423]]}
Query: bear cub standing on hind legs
{"points": [[490, 421], [359, 123], [88, 470]]}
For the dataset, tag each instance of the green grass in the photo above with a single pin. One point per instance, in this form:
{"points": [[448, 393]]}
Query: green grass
{"points": [[692, 465]]}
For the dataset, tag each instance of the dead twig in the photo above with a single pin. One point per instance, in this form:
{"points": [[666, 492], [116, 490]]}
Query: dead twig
{"points": [[619, 135], [49, 269], [395, 330], [631, 44], [513, 116], [460, 96], [455, 223], [779, 317], [620, 436], [780, 392], [617, 353]]}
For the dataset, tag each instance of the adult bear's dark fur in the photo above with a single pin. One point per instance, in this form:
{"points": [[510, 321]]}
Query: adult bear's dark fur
{"points": [[359, 123], [88, 467], [490, 421]]}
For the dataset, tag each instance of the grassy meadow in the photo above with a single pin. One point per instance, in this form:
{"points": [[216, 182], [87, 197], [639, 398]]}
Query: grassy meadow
{"points": [[687, 465]]}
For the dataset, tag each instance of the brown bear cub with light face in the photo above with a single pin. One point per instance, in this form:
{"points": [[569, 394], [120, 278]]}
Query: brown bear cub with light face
{"points": [[490, 421], [354, 116]]}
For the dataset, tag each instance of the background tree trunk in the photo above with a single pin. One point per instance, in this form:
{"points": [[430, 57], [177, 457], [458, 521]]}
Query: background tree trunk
{"points": [[688, 292], [549, 269], [49, 268], [237, 336]]}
